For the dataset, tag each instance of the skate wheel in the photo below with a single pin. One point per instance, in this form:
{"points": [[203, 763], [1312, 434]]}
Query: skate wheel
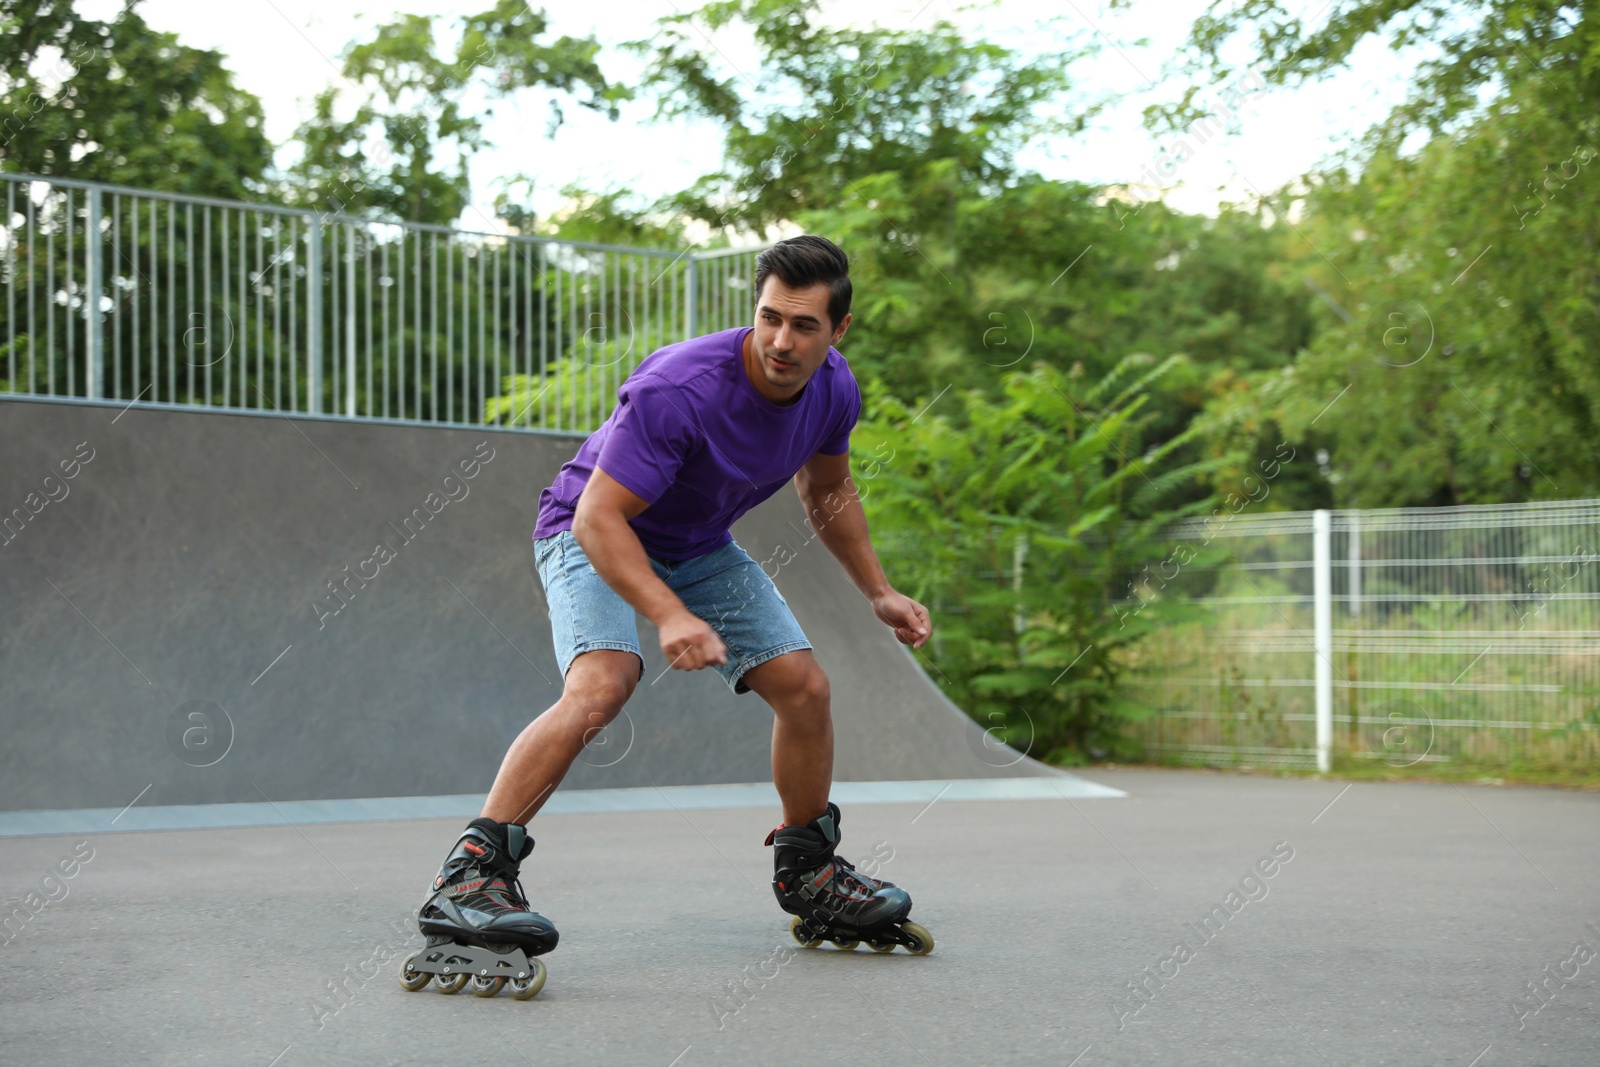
{"points": [[450, 984], [845, 945], [920, 935], [487, 987], [881, 946], [802, 933], [528, 988], [412, 979]]}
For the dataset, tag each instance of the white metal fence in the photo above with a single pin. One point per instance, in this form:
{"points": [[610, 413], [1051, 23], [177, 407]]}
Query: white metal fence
{"points": [[123, 294], [1465, 634]]}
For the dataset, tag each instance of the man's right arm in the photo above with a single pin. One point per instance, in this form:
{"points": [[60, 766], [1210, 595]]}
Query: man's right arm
{"points": [[600, 526]]}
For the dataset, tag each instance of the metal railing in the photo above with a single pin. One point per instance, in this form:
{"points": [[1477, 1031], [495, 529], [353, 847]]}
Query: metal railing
{"points": [[1419, 634], [113, 293]]}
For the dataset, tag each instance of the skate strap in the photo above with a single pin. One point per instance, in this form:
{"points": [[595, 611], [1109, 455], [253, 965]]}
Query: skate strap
{"points": [[517, 843], [827, 823]]}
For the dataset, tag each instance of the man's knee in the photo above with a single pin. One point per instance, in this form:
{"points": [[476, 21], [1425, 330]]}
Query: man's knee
{"points": [[814, 687], [598, 684], [794, 679]]}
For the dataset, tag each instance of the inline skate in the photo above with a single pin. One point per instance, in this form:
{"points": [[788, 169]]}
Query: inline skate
{"points": [[831, 900], [477, 919]]}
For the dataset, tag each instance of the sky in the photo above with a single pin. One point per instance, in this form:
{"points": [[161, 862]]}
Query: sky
{"points": [[285, 52]]}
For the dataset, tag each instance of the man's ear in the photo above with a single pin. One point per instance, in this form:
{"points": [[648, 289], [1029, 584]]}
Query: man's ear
{"points": [[838, 334]]}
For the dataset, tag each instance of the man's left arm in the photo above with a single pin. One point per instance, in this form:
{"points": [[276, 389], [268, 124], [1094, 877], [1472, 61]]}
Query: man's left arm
{"points": [[828, 494]]}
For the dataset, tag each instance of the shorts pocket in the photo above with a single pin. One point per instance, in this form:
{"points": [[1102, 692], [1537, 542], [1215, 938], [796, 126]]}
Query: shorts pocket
{"points": [[543, 547]]}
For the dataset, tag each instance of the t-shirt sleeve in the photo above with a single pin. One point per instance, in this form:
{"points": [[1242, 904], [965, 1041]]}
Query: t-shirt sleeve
{"points": [[839, 440], [651, 436]]}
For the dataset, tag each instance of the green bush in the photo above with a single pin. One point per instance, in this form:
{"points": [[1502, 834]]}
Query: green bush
{"points": [[1020, 523]]}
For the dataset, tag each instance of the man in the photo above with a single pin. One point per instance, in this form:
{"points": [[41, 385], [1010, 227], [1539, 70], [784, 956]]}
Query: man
{"points": [[639, 520]]}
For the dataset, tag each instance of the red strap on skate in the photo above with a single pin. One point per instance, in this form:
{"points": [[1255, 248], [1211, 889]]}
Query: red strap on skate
{"points": [[774, 833]]}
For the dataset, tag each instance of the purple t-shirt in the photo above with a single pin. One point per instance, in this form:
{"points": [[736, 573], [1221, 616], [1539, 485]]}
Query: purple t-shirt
{"points": [[691, 435]]}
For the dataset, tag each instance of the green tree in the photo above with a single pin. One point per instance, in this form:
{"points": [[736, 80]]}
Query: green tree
{"points": [[119, 102], [615, 215], [900, 146], [1468, 51], [410, 100], [829, 107], [1455, 252], [1052, 272]]}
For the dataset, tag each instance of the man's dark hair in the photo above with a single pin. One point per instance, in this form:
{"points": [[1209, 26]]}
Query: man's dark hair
{"points": [[801, 262]]}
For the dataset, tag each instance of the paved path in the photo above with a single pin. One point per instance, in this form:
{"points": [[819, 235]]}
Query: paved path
{"points": [[1399, 925]]}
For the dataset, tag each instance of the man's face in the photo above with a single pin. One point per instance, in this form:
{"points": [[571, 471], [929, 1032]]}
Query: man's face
{"points": [[792, 332]]}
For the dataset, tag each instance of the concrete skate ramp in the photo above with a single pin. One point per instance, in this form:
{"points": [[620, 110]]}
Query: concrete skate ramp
{"points": [[168, 632]]}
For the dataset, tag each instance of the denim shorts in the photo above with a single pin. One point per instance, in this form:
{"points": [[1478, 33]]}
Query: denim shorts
{"points": [[725, 587]]}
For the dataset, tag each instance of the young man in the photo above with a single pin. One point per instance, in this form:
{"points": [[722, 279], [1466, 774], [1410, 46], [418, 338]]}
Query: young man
{"points": [[639, 520]]}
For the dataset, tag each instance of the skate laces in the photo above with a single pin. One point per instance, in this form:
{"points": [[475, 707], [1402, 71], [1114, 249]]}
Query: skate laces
{"points": [[853, 879], [510, 880], [843, 880], [493, 869]]}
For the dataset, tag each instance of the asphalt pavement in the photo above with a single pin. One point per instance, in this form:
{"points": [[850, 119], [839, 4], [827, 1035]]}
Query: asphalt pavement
{"points": [[1200, 919]]}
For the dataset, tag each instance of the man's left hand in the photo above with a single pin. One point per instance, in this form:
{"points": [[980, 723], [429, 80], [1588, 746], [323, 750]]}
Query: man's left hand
{"points": [[909, 619]]}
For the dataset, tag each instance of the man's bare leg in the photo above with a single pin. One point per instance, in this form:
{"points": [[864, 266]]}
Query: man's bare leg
{"points": [[830, 899], [598, 683], [796, 687]]}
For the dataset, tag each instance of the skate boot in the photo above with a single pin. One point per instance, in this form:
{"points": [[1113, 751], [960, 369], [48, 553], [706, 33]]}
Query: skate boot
{"points": [[477, 920], [833, 901]]}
